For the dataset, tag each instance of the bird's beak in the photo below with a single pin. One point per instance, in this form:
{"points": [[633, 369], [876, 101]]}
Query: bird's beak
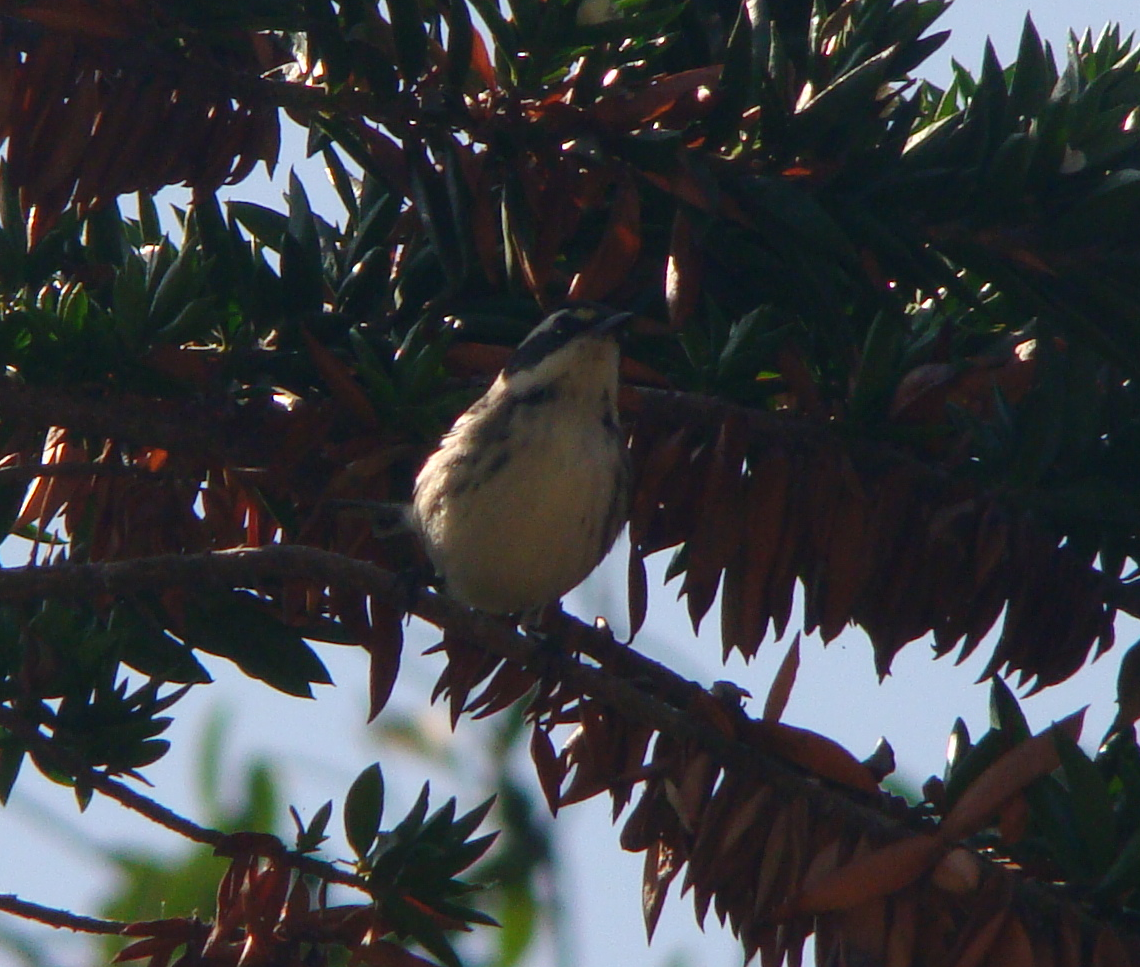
{"points": [[612, 322]]}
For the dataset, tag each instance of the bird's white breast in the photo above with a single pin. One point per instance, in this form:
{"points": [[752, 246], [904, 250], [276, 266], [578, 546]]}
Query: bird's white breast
{"points": [[524, 535]]}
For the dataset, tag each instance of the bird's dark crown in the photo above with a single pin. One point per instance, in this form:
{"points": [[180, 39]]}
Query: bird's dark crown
{"points": [[559, 328]]}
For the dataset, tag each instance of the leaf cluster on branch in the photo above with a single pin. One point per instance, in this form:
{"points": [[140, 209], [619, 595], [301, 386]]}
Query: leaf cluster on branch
{"points": [[886, 346]]}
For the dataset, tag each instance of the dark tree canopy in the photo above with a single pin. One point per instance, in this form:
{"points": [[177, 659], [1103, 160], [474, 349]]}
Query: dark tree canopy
{"points": [[885, 345]]}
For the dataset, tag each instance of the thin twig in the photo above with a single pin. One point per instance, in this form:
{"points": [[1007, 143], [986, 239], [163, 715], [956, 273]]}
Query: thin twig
{"points": [[60, 919], [43, 747]]}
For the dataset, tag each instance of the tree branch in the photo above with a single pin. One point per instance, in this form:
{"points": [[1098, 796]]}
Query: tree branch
{"points": [[662, 707], [60, 919], [43, 747]]}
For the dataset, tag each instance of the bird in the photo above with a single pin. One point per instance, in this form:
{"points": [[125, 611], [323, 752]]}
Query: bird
{"points": [[529, 489]]}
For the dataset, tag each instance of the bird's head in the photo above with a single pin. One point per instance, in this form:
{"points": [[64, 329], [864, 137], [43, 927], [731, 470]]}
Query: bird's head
{"points": [[578, 337]]}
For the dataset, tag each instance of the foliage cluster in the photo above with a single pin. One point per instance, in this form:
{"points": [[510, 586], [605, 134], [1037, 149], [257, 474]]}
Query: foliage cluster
{"points": [[886, 346]]}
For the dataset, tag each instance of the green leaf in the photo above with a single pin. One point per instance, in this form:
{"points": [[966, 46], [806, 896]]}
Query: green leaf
{"points": [[1051, 812], [11, 758], [198, 318], [302, 270], [460, 42], [410, 38], [1124, 874], [236, 626], [147, 648], [324, 33], [842, 102], [129, 301], [1006, 714], [106, 240], [341, 182], [149, 223], [364, 809], [438, 213], [412, 922], [1032, 79], [976, 760], [365, 288], [265, 224], [309, 838], [1092, 804]]}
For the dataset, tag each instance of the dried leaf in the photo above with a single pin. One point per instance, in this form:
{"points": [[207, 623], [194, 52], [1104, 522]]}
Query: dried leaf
{"points": [[1006, 778], [385, 643], [716, 535], [843, 572], [663, 461], [510, 683], [783, 683], [661, 866], [766, 497], [783, 575], [623, 110], [548, 767], [638, 590], [614, 258], [1109, 950], [902, 932], [979, 945], [343, 386], [877, 874], [814, 752]]}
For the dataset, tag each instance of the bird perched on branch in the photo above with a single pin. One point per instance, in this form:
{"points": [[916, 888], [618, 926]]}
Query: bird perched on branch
{"points": [[530, 487]]}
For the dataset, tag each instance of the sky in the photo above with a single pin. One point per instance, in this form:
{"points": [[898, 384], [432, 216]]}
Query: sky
{"points": [[52, 854]]}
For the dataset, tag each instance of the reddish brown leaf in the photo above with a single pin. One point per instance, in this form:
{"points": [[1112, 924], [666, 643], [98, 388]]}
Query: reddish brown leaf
{"points": [[625, 110], [783, 574], [485, 224], [1011, 773], [614, 258], [510, 683], [717, 534], [386, 154], [66, 140], [647, 491], [686, 186], [876, 874], [661, 866], [549, 767], [842, 572], [638, 591], [385, 643], [154, 946], [797, 376], [559, 203], [343, 386], [467, 665], [783, 683], [746, 583], [814, 752], [1109, 950], [481, 62], [112, 130], [975, 950], [903, 931]]}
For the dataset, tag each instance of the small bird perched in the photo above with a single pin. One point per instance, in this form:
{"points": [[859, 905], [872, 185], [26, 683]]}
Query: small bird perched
{"points": [[530, 487]]}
